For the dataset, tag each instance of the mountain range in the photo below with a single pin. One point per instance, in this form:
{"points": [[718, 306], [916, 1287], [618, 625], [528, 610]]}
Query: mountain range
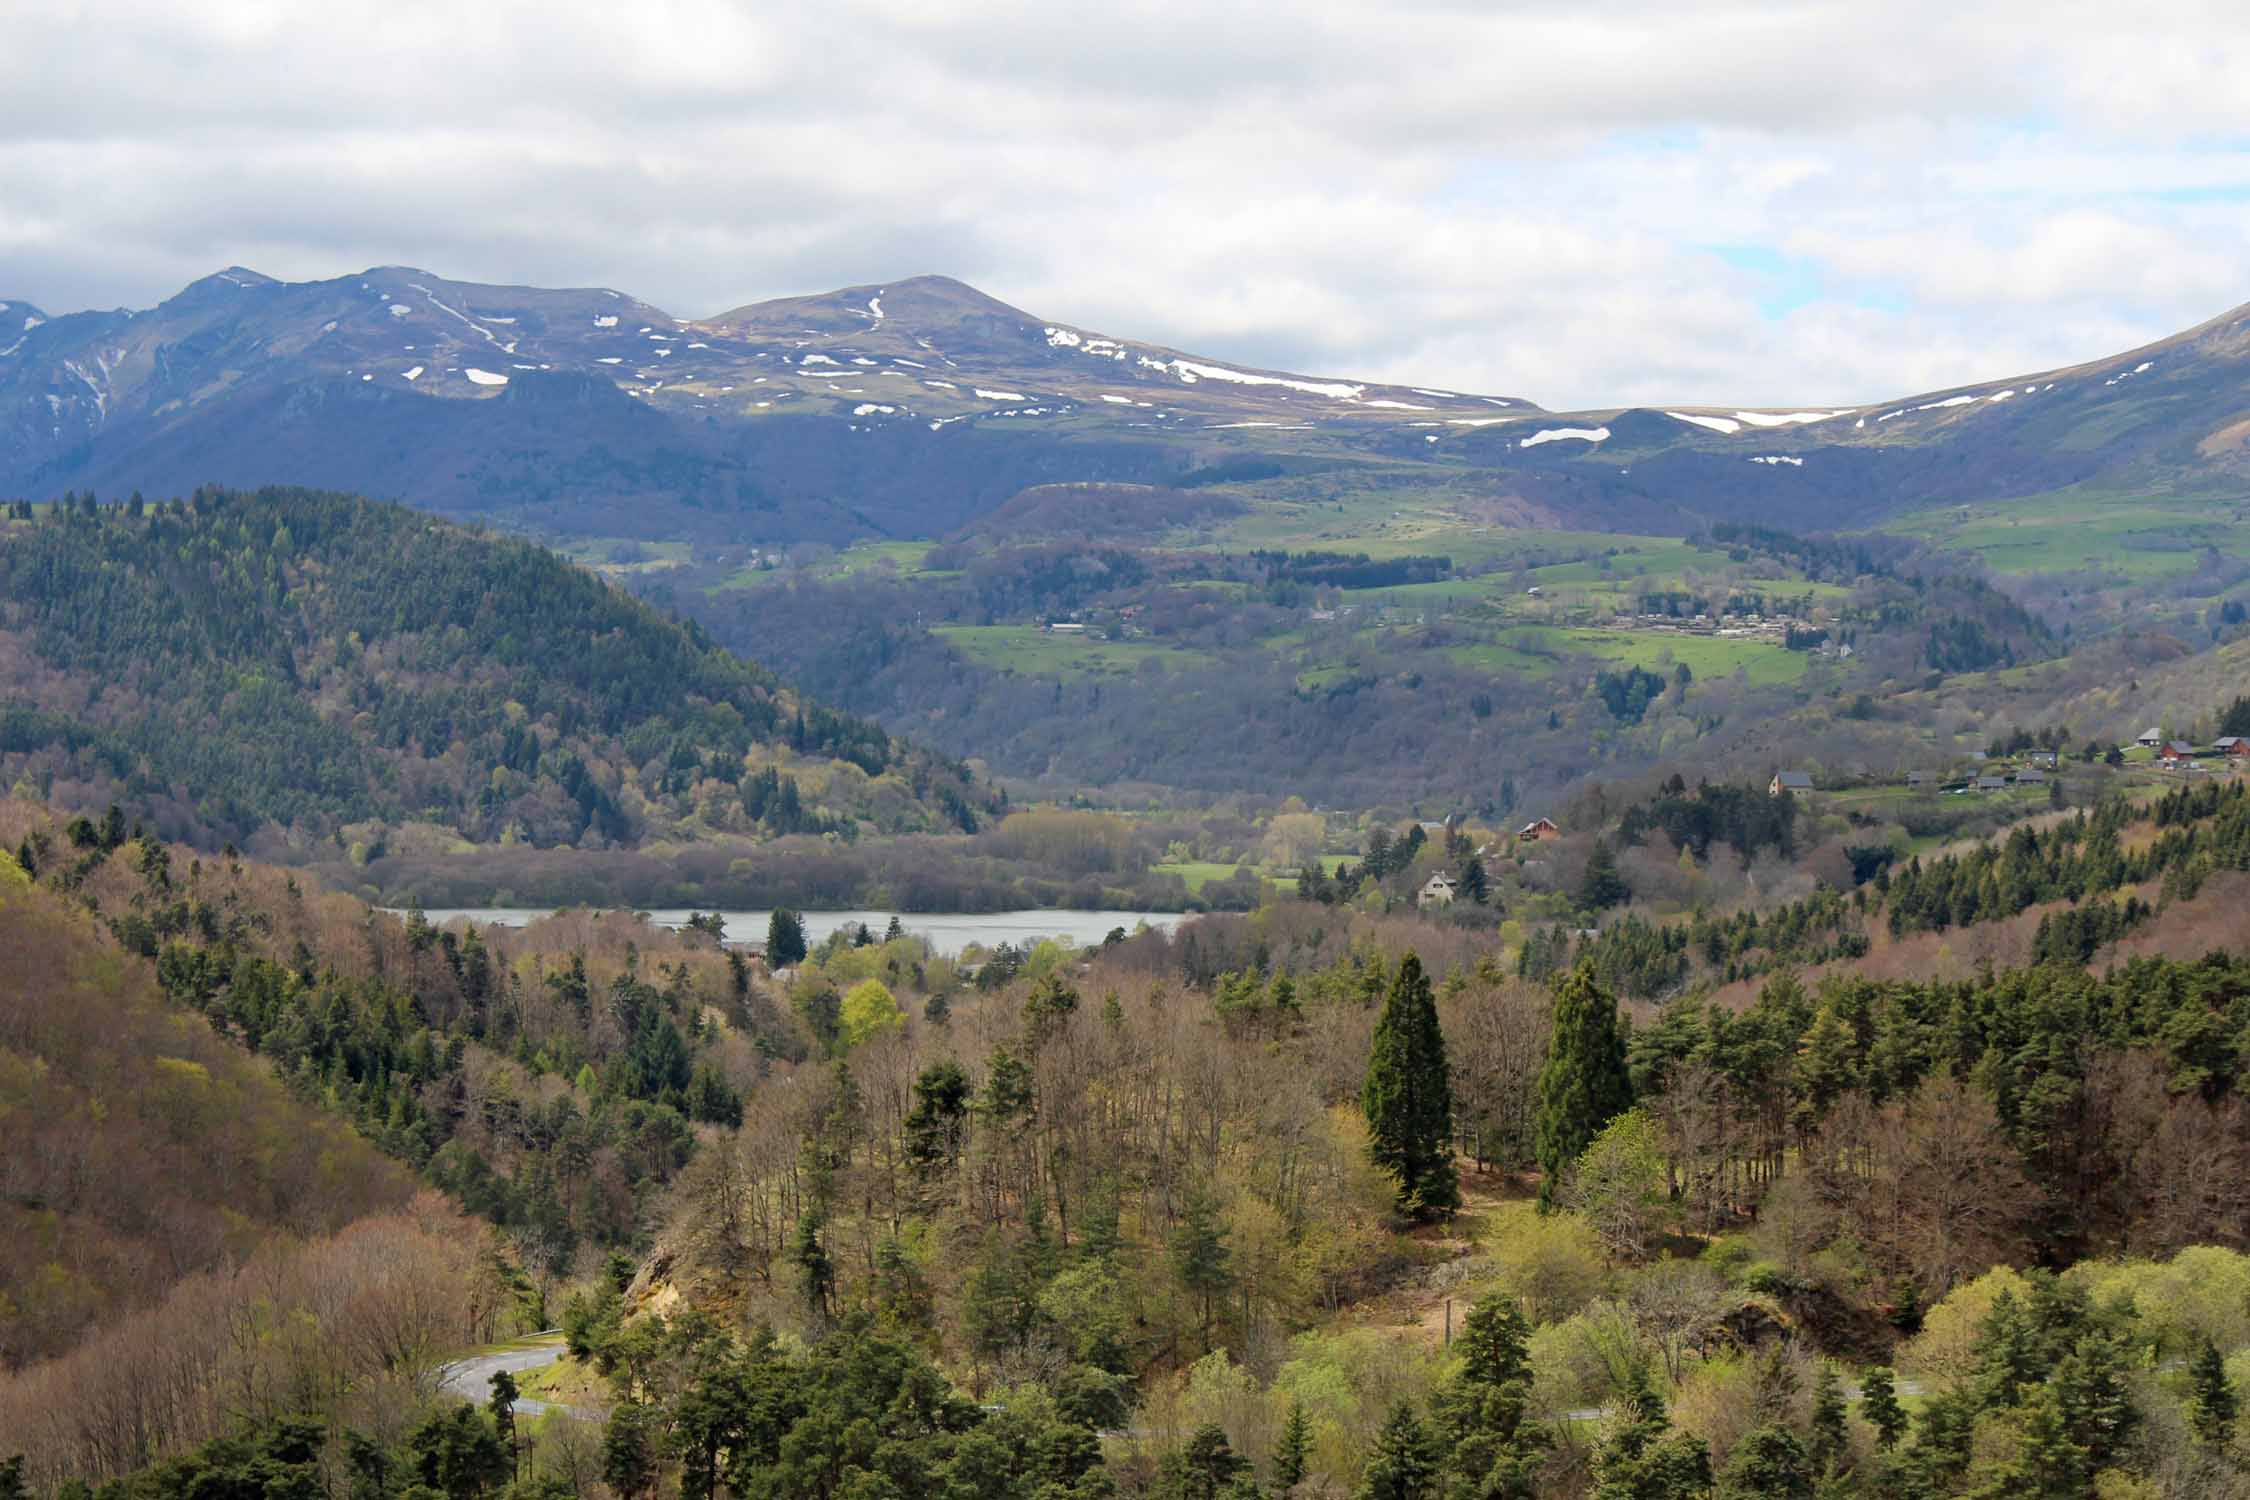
{"points": [[912, 408]]}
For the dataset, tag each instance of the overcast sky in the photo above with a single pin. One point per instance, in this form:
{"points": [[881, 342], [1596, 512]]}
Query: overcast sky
{"points": [[1585, 205]]}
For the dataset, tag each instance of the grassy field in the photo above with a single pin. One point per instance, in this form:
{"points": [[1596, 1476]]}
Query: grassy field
{"points": [[1032, 652], [1538, 650], [617, 555], [2145, 536], [1198, 873]]}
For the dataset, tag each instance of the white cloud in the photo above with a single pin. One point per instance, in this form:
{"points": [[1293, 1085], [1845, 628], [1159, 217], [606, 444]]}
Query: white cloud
{"points": [[1507, 197]]}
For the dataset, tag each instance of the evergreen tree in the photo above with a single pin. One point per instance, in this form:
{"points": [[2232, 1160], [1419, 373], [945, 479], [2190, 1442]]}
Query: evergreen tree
{"points": [[629, 1451], [1492, 1448], [1289, 1455], [785, 940], [1206, 1469], [1408, 1096], [1584, 1084], [502, 1406], [2212, 1404], [1473, 883], [1642, 1460], [813, 1264], [457, 1453], [1602, 887], [1831, 1436], [1200, 1259], [1878, 1402], [2090, 1390], [1403, 1465], [1769, 1464]]}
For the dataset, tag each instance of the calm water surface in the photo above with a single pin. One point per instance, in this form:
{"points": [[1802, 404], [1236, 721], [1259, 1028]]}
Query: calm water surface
{"points": [[948, 932]]}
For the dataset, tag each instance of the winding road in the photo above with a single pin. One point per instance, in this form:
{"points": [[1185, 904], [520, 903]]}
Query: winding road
{"points": [[471, 1377]]}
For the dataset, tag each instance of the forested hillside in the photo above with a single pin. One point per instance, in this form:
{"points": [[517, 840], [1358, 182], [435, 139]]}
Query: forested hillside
{"points": [[1328, 1199], [326, 667], [141, 1146]]}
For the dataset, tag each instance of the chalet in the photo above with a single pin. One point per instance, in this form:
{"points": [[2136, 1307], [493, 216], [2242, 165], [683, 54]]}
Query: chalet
{"points": [[2031, 776], [1789, 781], [1992, 783], [2149, 739], [2232, 744], [2174, 751], [2047, 758], [1537, 829], [1918, 778], [1438, 892]]}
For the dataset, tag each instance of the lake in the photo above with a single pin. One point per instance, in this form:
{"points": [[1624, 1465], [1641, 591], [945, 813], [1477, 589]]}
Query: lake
{"points": [[947, 932]]}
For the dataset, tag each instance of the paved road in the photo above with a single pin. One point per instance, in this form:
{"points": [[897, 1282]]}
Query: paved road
{"points": [[471, 1378]]}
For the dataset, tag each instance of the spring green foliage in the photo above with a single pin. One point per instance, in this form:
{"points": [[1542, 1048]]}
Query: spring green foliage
{"points": [[1584, 1084], [870, 1010], [1408, 1096]]}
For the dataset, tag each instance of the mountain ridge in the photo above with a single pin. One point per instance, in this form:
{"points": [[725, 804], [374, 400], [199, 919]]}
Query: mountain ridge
{"points": [[909, 408]]}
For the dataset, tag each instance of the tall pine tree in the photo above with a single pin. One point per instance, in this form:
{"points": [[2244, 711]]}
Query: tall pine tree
{"points": [[1404, 1464], [2211, 1403], [1493, 1447], [1291, 1453], [1408, 1097], [1584, 1084]]}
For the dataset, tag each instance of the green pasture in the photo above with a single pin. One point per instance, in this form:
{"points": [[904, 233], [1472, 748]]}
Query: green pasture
{"points": [[2145, 536], [1539, 649]]}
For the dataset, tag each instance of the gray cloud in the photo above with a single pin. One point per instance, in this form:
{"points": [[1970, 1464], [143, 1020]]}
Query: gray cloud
{"points": [[1725, 202]]}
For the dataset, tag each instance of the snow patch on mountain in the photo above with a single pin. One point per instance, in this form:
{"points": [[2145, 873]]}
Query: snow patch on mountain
{"points": [[1786, 418], [1190, 372], [484, 377], [1715, 424], [1557, 434]]}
